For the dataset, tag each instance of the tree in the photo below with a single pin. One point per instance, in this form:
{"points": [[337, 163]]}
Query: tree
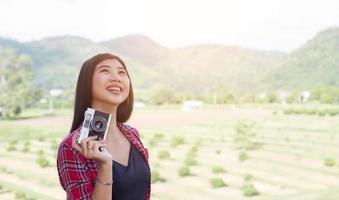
{"points": [[16, 89]]}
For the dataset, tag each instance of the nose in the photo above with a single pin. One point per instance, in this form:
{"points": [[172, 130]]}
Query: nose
{"points": [[114, 76]]}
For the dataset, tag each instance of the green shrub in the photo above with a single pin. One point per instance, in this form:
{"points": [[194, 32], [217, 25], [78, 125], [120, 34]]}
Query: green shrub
{"points": [[54, 145], [243, 156], [329, 162], [156, 177], [4, 170], [20, 195], [184, 171], [198, 142], [193, 150], [13, 142], [248, 177], [217, 183], [190, 160], [41, 138], [177, 140], [40, 152], [42, 161], [158, 136], [243, 139], [217, 151], [249, 190], [217, 169], [152, 142], [322, 112], [333, 111], [11, 147], [25, 149], [164, 155]]}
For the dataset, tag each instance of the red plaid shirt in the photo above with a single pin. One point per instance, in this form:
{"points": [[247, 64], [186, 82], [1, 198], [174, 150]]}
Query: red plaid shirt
{"points": [[77, 174]]}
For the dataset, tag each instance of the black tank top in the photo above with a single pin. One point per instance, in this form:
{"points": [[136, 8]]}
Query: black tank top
{"points": [[131, 182]]}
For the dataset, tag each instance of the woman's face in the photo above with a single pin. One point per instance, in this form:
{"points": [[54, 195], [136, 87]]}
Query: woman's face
{"points": [[110, 86]]}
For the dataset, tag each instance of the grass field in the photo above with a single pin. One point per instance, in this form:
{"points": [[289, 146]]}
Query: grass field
{"points": [[228, 152]]}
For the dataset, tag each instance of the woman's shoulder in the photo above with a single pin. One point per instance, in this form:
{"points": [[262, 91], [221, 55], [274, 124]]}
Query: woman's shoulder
{"points": [[128, 128], [67, 141], [66, 151]]}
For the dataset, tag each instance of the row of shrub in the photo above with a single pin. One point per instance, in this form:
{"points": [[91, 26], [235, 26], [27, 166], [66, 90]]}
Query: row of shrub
{"points": [[312, 111]]}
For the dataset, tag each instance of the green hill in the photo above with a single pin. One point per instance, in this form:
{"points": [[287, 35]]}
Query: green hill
{"points": [[315, 63], [192, 70]]}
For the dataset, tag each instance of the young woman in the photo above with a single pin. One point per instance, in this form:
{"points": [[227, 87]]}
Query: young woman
{"points": [[117, 167]]}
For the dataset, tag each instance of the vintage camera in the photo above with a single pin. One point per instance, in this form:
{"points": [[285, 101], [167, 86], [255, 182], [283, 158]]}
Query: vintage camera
{"points": [[95, 123]]}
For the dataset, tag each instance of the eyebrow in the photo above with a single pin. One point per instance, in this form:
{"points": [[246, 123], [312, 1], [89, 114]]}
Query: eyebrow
{"points": [[107, 66]]}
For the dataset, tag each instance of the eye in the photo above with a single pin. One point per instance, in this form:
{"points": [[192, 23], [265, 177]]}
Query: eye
{"points": [[122, 72], [104, 70]]}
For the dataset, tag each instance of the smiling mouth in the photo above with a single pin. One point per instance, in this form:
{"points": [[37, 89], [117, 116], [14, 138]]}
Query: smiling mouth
{"points": [[114, 89]]}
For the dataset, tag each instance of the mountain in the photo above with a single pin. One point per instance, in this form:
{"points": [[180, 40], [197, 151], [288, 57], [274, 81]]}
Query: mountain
{"points": [[314, 63], [192, 70], [138, 47]]}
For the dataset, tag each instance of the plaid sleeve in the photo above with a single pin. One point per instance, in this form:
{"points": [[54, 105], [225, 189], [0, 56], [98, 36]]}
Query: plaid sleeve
{"points": [[73, 176]]}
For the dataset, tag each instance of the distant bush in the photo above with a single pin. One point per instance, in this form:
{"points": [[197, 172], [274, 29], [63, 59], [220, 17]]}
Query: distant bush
{"points": [[13, 142], [4, 170], [193, 150], [217, 151], [312, 111], [243, 138], [190, 160], [54, 145], [42, 161], [20, 195], [248, 177], [164, 155], [152, 142], [184, 171], [11, 147], [40, 152], [25, 149], [249, 190], [243, 156], [156, 177], [177, 140], [41, 138], [158, 136], [217, 183], [329, 162], [217, 169], [155, 139]]}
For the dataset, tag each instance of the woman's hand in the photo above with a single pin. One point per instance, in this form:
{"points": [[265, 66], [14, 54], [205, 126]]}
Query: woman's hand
{"points": [[89, 148]]}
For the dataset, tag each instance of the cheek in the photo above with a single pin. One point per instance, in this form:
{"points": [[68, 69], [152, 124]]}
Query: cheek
{"points": [[96, 85]]}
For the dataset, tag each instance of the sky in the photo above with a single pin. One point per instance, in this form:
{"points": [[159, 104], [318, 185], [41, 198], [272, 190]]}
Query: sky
{"points": [[281, 25]]}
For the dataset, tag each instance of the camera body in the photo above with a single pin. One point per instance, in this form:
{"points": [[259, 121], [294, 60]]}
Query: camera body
{"points": [[95, 123]]}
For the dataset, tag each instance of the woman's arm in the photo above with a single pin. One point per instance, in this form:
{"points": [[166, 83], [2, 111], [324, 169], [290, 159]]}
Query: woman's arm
{"points": [[103, 184], [76, 179]]}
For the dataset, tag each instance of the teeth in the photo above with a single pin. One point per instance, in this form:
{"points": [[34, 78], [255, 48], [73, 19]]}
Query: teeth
{"points": [[113, 88]]}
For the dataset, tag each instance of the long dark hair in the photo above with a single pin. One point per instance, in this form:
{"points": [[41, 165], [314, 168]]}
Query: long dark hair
{"points": [[83, 96]]}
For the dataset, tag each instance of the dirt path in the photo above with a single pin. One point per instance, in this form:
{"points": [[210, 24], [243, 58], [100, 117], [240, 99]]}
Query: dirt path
{"points": [[164, 118]]}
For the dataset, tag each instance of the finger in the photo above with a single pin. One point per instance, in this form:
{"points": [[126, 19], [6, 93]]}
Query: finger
{"points": [[83, 145], [90, 144], [75, 144], [93, 137]]}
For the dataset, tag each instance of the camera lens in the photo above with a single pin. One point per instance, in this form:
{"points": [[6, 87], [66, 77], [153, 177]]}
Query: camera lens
{"points": [[98, 124]]}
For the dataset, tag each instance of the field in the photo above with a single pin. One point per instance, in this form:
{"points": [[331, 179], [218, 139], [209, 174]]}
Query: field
{"points": [[225, 152]]}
